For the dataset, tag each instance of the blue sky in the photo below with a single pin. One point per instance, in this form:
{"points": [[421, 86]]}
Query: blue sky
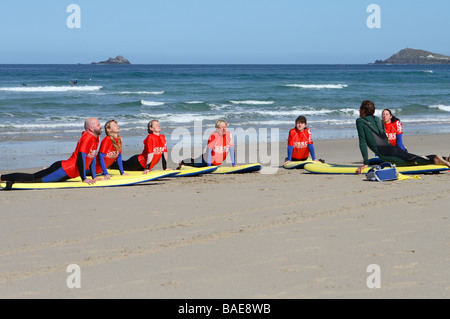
{"points": [[220, 31]]}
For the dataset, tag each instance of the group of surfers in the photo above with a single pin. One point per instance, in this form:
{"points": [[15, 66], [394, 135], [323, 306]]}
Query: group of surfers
{"points": [[382, 136], [86, 161]]}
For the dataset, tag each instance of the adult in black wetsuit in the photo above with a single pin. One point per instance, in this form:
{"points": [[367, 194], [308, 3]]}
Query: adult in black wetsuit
{"points": [[372, 135]]}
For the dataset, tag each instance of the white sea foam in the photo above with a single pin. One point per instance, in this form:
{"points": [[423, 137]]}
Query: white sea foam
{"points": [[436, 120], [441, 107], [266, 123], [216, 107], [318, 86], [194, 102], [151, 103], [49, 125], [334, 122], [292, 112], [188, 118], [139, 92], [33, 89], [165, 118], [351, 112], [253, 102]]}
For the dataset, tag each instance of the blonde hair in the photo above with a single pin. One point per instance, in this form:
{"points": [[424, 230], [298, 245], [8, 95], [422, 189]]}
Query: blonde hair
{"points": [[117, 145], [150, 124], [220, 122]]}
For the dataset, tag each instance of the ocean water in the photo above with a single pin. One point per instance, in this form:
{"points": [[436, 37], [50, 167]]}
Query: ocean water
{"points": [[42, 113]]}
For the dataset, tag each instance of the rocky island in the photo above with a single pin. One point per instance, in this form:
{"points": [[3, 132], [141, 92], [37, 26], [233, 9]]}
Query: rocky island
{"points": [[413, 56], [117, 60]]}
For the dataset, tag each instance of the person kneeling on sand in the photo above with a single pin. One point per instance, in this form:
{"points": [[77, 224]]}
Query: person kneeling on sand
{"points": [[371, 134], [77, 165]]}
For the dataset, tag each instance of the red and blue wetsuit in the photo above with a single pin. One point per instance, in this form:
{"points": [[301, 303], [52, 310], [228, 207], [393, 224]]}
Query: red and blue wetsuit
{"points": [[394, 132], [153, 144], [108, 154], [77, 165], [217, 150], [156, 145], [300, 145]]}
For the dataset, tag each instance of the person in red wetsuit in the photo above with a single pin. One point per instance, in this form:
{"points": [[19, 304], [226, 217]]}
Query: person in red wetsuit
{"points": [[110, 150], [155, 149], [219, 144], [393, 128], [77, 165], [300, 143]]}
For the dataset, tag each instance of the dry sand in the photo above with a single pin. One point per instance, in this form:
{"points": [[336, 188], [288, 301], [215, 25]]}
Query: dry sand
{"points": [[285, 235]]}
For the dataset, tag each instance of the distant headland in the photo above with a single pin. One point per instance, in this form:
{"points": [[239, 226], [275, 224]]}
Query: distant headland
{"points": [[117, 60], [413, 56]]}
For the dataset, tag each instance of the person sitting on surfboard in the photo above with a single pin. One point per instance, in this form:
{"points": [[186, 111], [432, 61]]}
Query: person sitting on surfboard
{"points": [[110, 150], [155, 149], [372, 135], [300, 143], [83, 157], [393, 128], [219, 144]]}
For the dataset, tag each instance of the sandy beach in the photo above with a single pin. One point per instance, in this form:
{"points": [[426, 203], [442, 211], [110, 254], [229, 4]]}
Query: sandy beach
{"points": [[289, 234]]}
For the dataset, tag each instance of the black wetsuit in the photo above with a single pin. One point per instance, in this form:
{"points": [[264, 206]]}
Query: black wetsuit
{"points": [[372, 135], [54, 173], [133, 164]]}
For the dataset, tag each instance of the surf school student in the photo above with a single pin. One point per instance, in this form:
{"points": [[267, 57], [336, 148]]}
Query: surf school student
{"points": [[110, 150], [372, 135], [77, 165], [300, 143], [219, 144], [155, 149], [393, 128]]}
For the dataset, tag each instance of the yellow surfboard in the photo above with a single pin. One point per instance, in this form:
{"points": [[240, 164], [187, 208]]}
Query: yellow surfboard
{"points": [[113, 182], [194, 171], [297, 164], [115, 175], [248, 168], [229, 169], [184, 172], [323, 168]]}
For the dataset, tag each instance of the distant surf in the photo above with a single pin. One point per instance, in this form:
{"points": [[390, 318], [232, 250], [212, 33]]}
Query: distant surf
{"points": [[33, 89], [253, 102], [151, 103], [318, 86], [139, 93]]}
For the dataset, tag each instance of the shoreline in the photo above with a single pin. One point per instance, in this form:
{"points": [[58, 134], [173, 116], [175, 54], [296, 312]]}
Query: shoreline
{"points": [[279, 236]]}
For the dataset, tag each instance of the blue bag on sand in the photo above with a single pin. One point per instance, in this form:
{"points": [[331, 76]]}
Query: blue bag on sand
{"points": [[382, 173]]}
